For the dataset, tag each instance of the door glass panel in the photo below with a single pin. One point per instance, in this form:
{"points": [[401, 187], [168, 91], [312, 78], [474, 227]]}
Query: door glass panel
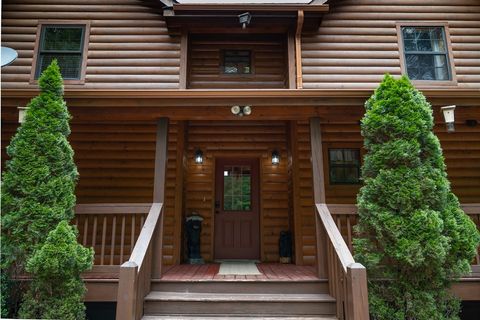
{"points": [[237, 187]]}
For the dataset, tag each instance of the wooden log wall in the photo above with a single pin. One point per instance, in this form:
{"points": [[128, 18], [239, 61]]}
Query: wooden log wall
{"points": [[269, 62], [239, 139], [129, 43], [357, 41]]}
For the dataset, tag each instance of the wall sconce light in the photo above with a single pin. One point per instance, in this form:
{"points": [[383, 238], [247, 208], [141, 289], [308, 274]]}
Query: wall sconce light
{"points": [[449, 115], [198, 156], [244, 19], [275, 157], [241, 110], [21, 114]]}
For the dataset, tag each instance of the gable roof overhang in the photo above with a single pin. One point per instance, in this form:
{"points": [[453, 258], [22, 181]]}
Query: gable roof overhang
{"points": [[268, 16]]}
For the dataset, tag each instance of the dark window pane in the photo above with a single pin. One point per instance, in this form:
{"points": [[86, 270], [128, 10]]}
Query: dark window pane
{"points": [[344, 166], [237, 62], [237, 188], [70, 65], [62, 39], [425, 53], [427, 67]]}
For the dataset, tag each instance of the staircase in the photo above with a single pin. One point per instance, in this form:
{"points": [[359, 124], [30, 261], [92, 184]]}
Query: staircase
{"points": [[239, 300]]}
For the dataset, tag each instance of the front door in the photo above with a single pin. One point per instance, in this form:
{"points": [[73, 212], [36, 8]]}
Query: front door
{"points": [[237, 231]]}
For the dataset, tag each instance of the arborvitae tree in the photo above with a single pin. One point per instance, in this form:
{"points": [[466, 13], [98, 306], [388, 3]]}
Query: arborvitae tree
{"points": [[39, 180], [57, 289], [414, 238]]}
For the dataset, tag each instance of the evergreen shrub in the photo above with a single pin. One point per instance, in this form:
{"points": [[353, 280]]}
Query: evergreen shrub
{"points": [[413, 237]]}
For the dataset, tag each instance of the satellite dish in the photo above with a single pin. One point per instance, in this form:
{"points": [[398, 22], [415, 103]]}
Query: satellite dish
{"points": [[8, 56]]}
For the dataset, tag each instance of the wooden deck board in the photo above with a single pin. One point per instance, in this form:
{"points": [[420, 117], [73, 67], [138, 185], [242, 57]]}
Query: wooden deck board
{"points": [[270, 272]]}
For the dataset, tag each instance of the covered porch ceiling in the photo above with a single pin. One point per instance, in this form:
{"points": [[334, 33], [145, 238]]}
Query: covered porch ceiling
{"points": [[223, 16]]}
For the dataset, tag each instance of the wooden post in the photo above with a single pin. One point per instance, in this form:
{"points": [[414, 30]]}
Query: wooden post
{"points": [[127, 291], [318, 192], [161, 157], [179, 175], [357, 292], [298, 48], [183, 60]]}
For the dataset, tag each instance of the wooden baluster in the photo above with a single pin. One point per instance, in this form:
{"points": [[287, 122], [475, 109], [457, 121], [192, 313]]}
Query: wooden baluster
{"points": [[132, 239], [142, 220], [112, 246], [94, 233], [122, 239], [339, 226], [104, 233], [85, 231], [349, 234]]}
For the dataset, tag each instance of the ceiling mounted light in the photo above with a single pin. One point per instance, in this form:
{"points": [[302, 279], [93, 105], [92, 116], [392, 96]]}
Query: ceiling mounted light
{"points": [[244, 19], [241, 110], [449, 115]]}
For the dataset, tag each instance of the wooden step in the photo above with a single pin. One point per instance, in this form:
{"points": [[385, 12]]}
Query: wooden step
{"points": [[235, 286], [255, 304], [225, 316]]}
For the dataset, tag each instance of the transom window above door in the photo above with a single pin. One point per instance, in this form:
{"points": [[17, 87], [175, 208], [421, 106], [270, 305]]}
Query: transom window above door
{"points": [[66, 44], [425, 53]]}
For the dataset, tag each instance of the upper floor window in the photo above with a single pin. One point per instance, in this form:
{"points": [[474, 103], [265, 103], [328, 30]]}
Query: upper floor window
{"points": [[66, 43], [344, 166], [426, 55], [237, 62]]}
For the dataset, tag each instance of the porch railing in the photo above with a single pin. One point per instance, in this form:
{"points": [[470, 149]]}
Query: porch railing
{"points": [[135, 274], [347, 279], [346, 217]]}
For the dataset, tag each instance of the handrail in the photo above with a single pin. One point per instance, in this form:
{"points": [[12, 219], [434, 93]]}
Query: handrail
{"points": [[347, 279], [135, 274], [146, 235], [335, 236]]}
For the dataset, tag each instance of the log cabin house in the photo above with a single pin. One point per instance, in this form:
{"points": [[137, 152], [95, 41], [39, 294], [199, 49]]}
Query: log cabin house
{"points": [[247, 113]]}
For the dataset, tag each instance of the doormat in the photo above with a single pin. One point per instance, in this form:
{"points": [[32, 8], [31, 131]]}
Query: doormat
{"points": [[239, 268]]}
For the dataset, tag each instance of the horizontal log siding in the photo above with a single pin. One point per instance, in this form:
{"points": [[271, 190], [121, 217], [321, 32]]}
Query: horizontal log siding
{"points": [[357, 41], [129, 43], [269, 62], [239, 139]]}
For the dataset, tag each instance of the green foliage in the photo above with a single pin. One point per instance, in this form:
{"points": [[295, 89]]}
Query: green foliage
{"points": [[411, 228], [56, 291], [38, 183]]}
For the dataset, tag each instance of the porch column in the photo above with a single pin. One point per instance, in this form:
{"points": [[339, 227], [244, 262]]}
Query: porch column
{"points": [[318, 191], [161, 157]]}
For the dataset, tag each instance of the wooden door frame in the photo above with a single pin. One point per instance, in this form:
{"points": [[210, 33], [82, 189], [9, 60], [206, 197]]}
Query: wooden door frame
{"points": [[257, 162]]}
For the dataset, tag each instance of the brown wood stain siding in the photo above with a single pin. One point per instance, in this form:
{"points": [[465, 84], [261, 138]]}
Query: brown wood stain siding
{"points": [[357, 41], [239, 139], [268, 57], [129, 46]]}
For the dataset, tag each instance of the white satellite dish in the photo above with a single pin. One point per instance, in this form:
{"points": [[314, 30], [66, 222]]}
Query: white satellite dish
{"points": [[8, 56]]}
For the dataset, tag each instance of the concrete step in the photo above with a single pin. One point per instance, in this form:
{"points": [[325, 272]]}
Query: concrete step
{"points": [[241, 304]]}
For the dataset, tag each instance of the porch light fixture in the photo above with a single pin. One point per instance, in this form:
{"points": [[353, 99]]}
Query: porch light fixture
{"points": [[449, 115], [241, 110], [275, 157], [244, 19], [21, 114], [198, 156]]}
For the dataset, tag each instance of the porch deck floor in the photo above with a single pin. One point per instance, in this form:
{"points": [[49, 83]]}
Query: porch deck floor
{"points": [[270, 272]]}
